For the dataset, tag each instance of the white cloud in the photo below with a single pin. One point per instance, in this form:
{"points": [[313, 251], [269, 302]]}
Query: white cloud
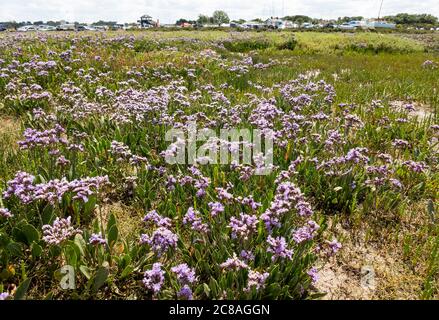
{"points": [[170, 10]]}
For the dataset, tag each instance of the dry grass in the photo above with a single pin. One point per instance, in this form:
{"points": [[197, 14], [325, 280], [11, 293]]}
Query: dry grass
{"points": [[128, 219], [399, 256]]}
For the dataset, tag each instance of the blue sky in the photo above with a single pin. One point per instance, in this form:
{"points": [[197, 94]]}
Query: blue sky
{"points": [[168, 11]]}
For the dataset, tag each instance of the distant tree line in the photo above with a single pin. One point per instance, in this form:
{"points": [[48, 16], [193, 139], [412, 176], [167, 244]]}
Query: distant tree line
{"points": [[220, 17], [16, 25], [412, 19]]}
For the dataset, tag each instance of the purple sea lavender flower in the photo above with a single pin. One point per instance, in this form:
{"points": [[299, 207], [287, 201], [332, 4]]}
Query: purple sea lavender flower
{"points": [[375, 182], [313, 273], [334, 246], [59, 231], [170, 183], [304, 209], [249, 201], [4, 296], [153, 279], [399, 143], [185, 275], [96, 239], [287, 194], [161, 240], [409, 107], [278, 247], [271, 219], [256, 280], [192, 217], [233, 263], [21, 186], [62, 161], [52, 191], [201, 184], [185, 293], [87, 186], [306, 232], [46, 138], [223, 194], [247, 255], [396, 183], [5, 213], [415, 166], [244, 226], [215, 208], [387, 158], [357, 155], [154, 218], [429, 64]]}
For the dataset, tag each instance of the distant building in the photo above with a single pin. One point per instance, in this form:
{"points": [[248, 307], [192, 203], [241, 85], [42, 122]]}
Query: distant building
{"points": [[147, 21]]}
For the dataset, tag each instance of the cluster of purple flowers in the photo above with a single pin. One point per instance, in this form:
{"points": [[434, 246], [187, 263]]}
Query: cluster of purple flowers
{"points": [[357, 155], [21, 186], [256, 280], [47, 138], [313, 273], [156, 219], [153, 279], [224, 195], [196, 179], [247, 255], [278, 247], [287, 197], [185, 275], [193, 218], [59, 231], [4, 296], [333, 246], [215, 208], [428, 64], [233, 263], [354, 156], [399, 143], [123, 153], [97, 239], [414, 166], [306, 232], [249, 201], [161, 240], [52, 191], [243, 226], [5, 213], [62, 161]]}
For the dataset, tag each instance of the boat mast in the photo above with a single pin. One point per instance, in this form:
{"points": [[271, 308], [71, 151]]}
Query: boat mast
{"points": [[379, 12]]}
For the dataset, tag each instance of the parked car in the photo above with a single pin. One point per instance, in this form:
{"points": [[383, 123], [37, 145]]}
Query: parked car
{"points": [[331, 26], [101, 28], [27, 28], [44, 27], [347, 26], [2, 28], [66, 27], [90, 28]]}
